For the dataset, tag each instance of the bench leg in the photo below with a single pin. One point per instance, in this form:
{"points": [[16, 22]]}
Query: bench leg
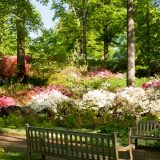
{"points": [[43, 157], [136, 143], [29, 155], [130, 154]]}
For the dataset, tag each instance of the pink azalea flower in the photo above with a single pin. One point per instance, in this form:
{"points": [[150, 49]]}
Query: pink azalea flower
{"points": [[7, 101]]}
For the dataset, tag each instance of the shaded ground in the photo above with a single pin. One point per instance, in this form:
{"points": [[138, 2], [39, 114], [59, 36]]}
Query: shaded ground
{"points": [[18, 144]]}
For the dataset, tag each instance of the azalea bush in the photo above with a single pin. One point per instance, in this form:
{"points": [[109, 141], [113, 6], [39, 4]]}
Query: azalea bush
{"points": [[8, 66], [133, 100], [151, 84], [98, 100], [47, 100], [7, 101]]}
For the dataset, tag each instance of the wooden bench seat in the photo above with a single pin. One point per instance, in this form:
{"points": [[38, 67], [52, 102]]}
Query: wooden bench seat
{"points": [[147, 130], [73, 145]]}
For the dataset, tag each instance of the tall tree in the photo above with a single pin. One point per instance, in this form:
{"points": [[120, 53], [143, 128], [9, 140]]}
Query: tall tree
{"points": [[64, 9], [23, 18], [84, 29], [130, 44], [108, 19], [147, 18]]}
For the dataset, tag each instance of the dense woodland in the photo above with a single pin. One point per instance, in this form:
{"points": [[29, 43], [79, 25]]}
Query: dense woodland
{"points": [[92, 31]]}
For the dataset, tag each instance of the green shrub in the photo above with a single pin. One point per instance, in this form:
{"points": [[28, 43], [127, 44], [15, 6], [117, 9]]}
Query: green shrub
{"points": [[70, 121], [41, 120], [14, 121], [116, 83], [2, 122], [140, 81]]}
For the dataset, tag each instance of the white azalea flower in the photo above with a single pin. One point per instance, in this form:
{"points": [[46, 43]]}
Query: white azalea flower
{"points": [[99, 99], [45, 100]]}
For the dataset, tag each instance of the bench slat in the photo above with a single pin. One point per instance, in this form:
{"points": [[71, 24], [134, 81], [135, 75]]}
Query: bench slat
{"points": [[71, 144], [148, 130]]}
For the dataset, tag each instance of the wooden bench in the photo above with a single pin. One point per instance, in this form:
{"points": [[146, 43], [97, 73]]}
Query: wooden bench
{"points": [[147, 130], [73, 145]]}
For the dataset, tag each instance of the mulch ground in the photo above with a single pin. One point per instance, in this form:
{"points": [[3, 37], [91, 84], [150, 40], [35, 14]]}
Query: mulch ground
{"points": [[18, 144]]}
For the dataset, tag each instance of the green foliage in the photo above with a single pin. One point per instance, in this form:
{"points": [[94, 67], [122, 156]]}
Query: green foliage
{"points": [[140, 81], [13, 121], [118, 124], [1, 150], [39, 120], [15, 156], [116, 83], [2, 122], [147, 36], [77, 119]]}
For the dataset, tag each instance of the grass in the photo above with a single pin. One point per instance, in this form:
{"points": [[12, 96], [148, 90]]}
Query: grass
{"points": [[12, 156], [17, 132], [15, 156]]}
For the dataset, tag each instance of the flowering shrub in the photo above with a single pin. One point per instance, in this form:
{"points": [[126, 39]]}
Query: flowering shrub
{"points": [[49, 100], [153, 84], [7, 101], [8, 66], [99, 99], [50, 88], [23, 98], [100, 72], [138, 101], [131, 99], [153, 96]]}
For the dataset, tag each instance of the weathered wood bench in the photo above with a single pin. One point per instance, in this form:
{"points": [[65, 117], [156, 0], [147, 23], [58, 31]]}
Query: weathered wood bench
{"points": [[73, 145], [147, 130]]}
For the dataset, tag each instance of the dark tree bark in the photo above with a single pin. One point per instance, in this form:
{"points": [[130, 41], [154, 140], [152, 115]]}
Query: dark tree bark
{"points": [[148, 47], [106, 44], [20, 48], [84, 30], [130, 44]]}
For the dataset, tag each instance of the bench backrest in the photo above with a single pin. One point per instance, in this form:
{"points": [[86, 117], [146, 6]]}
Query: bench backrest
{"points": [[148, 128], [72, 145]]}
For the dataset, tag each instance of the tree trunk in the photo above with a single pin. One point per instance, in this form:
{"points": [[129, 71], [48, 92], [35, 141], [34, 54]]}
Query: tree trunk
{"points": [[148, 34], [106, 52], [20, 49], [84, 30], [130, 45]]}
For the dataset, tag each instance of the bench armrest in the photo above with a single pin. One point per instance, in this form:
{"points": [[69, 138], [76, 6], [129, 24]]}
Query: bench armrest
{"points": [[130, 132], [127, 148]]}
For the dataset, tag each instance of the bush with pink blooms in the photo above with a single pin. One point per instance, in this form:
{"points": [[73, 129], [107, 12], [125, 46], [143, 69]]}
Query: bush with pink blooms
{"points": [[7, 101], [23, 98], [8, 66], [100, 72], [64, 90], [151, 84]]}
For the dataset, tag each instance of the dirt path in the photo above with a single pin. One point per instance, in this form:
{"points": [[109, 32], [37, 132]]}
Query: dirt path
{"points": [[18, 144]]}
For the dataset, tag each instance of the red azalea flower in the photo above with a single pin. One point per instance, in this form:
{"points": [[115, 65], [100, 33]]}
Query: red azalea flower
{"points": [[146, 85]]}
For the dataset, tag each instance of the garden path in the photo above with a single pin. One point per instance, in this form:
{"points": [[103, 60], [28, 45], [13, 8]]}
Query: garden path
{"points": [[18, 144]]}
